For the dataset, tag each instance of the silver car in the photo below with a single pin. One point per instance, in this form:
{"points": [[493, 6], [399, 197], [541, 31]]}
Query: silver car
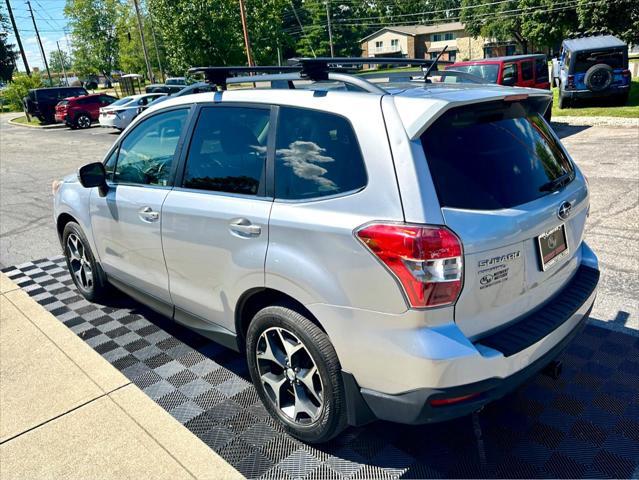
{"points": [[406, 252]]}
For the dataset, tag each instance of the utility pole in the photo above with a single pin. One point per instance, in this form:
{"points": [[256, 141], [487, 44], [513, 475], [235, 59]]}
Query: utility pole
{"points": [[15, 31], [157, 51], [247, 43], [44, 56], [146, 53], [330, 29], [66, 80]]}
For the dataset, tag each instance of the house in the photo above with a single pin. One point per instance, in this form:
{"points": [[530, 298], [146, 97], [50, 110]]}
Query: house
{"points": [[427, 41]]}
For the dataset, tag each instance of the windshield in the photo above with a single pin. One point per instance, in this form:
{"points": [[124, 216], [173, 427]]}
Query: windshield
{"points": [[122, 101], [489, 72], [493, 155], [585, 60]]}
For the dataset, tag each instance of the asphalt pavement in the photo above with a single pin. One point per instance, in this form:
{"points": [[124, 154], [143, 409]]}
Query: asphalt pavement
{"points": [[30, 159]]}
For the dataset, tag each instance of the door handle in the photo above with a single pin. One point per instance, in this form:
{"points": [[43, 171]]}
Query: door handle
{"points": [[244, 227], [147, 214]]}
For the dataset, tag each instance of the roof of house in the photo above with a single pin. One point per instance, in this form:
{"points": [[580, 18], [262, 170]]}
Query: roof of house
{"points": [[588, 43], [412, 30]]}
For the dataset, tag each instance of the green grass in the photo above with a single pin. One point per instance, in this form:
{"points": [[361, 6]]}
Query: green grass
{"points": [[23, 120], [600, 107]]}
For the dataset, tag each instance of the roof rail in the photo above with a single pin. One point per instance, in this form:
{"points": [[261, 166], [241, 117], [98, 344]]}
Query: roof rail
{"points": [[317, 69]]}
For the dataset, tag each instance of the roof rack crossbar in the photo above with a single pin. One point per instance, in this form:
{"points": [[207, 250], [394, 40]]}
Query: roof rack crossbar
{"points": [[219, 75], [317, 69]]}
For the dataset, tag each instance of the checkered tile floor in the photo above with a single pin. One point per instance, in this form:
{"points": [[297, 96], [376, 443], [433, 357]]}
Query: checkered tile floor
{"points": [[586, 424]]}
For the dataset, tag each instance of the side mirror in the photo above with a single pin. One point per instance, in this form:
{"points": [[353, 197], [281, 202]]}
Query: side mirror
{"points": [[94, 175]]}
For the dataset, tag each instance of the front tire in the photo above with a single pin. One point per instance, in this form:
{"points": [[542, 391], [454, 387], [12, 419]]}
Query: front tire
{"points": [[297, 374], [86, 273]]}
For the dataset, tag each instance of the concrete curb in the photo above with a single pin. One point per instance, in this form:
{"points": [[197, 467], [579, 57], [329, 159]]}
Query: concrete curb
{"points": [[597, 121], [12, 121], [67, 412]]}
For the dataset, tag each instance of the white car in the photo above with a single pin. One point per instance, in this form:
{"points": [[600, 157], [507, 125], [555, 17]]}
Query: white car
{"points": [[122, 112]]}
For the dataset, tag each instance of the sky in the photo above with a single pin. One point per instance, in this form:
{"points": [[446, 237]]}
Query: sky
{"points": [[49, 15]]}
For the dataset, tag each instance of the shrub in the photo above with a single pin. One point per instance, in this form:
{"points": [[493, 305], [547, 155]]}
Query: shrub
{"points": [[18, 88]]}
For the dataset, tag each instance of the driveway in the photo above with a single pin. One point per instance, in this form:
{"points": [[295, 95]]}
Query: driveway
{"points": [[31, 158]]}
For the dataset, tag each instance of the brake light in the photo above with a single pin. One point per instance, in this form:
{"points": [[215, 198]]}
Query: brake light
{"points": [[570, 83], [625, 73], [427, 260]]}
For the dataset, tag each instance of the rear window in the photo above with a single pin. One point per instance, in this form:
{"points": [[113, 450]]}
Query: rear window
{"points": [[493, 155], [585, 60], [62, 103], [488, 72], [122, 101]]}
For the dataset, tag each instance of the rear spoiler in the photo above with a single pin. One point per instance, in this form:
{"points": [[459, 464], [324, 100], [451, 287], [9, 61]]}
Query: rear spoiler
{"points": [[418, 114]]}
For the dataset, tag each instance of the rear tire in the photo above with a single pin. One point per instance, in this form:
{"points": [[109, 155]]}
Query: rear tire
{"points": [[86, 273], [297, 374], [82, 121]]}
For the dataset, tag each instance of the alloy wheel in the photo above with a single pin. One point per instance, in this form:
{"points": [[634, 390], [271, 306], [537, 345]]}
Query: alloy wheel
{"points": [[78, 262], [289, 375], [84, 121]]}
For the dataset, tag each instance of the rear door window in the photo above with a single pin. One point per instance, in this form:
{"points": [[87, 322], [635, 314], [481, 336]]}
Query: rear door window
{"points": [[541, 70], [228, 150], [316, 155], [493, 155], [527, 70]]}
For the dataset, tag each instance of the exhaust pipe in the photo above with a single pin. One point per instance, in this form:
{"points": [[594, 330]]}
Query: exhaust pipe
{"points": [[553, 369]]}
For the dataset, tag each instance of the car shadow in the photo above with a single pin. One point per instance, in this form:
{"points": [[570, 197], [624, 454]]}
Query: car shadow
{"points": [[564, 130]]}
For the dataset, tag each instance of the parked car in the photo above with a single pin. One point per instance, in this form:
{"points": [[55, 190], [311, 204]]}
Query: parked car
{"points": [[41, 102], [163, 88], [176, 81], [199, 87], [80, 112], [515, 71], [119, 114], [592, 67], [401, 252]]}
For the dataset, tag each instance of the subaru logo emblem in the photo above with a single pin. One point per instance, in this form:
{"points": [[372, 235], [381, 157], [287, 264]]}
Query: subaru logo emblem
{"points": [[564, 210]]}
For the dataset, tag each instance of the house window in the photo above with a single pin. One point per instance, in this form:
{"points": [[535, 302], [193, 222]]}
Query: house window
{"points": [[395, 43], [436, 37], [452, 56], [449, 36], [379, 45], [433, 55]]}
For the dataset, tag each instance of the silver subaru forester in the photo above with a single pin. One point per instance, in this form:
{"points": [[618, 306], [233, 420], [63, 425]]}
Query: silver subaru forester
{"points": [[406, 251]]}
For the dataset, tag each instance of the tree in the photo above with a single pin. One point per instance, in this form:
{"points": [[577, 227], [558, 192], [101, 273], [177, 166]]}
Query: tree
{"points": [[7, 52], [19, 87], [619, 18], [92, 24], [206, 32], [59, 60]]}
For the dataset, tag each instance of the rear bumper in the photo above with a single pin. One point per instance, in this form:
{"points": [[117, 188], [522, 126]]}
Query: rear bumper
{"points": [[609, 92], [522, 349]]}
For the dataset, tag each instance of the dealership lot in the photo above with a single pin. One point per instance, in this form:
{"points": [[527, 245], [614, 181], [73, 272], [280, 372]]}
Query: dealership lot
{"points": [[584, 424]]}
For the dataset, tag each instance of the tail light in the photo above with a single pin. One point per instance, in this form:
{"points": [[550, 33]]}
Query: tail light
{"points": [[427, 260], [625, 73], [570, 83]]}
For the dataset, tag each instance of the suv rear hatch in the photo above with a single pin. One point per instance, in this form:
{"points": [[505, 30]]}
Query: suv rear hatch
{"points": [[501, 176]]}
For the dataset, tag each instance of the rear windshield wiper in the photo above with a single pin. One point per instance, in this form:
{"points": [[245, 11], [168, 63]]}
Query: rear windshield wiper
{"points": [[557, 183]]}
